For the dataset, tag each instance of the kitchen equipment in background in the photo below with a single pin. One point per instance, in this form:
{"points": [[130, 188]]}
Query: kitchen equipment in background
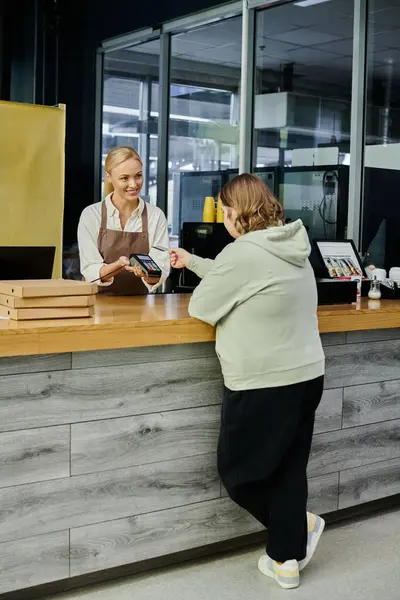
{"points": [[318, 196], [379, 274], [190, 189], [394, 274], [203, 239]]}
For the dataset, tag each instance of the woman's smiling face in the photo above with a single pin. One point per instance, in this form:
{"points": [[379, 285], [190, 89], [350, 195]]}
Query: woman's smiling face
{"points": [[127, 179]]}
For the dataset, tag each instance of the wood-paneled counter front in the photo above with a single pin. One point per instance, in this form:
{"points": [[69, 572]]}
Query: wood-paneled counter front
{"points": [[133, 322], [109, 427]]}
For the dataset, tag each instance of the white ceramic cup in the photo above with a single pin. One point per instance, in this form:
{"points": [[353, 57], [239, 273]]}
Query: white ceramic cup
{"points": [[394, 274], [380, 274]]}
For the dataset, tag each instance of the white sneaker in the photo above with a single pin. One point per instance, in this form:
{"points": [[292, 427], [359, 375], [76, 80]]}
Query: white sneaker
{"points": [[286, 575], [316, 527]]}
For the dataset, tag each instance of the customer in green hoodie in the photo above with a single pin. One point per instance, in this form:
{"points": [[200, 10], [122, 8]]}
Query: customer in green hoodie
{"points": [[261, 294]]}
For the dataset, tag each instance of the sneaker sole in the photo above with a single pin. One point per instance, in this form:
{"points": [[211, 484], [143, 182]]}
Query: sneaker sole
{"points": [[303, 564], [273, 575]]}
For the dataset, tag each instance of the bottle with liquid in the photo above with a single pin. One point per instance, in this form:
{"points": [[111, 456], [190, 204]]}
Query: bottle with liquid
{"points": [[375, 290]]}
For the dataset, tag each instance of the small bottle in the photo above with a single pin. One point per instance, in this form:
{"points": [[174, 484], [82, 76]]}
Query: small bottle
{"points": [[374, 304], [375, 290]]}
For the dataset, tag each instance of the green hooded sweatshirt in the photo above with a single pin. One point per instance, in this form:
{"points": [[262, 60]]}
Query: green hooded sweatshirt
{"points": [[261, 294]]}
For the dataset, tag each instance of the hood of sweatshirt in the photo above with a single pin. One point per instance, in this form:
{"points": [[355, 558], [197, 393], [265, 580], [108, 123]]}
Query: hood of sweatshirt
{"points": [[287, 242]]}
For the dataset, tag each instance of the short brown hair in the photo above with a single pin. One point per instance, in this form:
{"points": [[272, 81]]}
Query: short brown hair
{"points": [[256, 206]]}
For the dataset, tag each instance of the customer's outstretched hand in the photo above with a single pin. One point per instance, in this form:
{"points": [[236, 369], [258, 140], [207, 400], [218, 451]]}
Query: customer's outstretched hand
{"points": [[179, 258]]}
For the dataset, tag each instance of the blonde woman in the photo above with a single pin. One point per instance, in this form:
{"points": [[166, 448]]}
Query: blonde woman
{"points": [[261, 294], [120, 225]]}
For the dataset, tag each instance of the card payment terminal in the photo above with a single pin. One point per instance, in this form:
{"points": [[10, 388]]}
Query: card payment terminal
{"points": [[147, 264]]}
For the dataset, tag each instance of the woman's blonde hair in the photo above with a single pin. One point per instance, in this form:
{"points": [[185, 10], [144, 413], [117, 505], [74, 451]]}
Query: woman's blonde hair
{"points": [[256, 206], [114, 159]]}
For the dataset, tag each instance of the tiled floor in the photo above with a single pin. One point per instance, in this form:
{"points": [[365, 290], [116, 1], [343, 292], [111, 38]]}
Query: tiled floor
{"points": [[356, 560]]}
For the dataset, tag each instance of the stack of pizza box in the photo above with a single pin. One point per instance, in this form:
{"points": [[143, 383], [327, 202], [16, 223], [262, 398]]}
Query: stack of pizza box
{"points": [[46, 299]]}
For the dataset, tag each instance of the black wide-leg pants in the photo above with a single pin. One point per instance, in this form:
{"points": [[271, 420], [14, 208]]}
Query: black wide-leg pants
{"points": [[263, 451]]}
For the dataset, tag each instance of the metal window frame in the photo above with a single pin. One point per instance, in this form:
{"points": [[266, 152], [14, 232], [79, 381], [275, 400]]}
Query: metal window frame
{"points": [[357, 127], [163, 122], [98, 124], [144, 138], [131, 39], [247, 89], [201, 19], [261, 4]]}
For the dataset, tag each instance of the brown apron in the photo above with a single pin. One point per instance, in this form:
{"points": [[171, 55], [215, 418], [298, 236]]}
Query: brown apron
{"points": [[113, 244]]}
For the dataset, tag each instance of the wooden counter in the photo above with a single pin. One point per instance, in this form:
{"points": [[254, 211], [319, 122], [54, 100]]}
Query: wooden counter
{"points": [[108, 456], [132, 322]]}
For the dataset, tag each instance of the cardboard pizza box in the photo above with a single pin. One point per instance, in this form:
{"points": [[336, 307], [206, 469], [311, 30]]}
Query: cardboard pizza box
{"points": [[47, 302], [31, 314], [40, 288]]}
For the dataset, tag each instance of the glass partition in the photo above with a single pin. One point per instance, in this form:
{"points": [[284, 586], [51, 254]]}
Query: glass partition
{"points": [[302, 108], [130, 106], [204, 116]]}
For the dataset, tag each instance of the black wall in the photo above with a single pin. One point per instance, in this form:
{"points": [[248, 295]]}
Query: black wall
{"points": [[49, 57]]}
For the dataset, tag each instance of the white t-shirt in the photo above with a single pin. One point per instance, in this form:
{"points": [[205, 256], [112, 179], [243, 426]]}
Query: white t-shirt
{"points": [[88, 231]]}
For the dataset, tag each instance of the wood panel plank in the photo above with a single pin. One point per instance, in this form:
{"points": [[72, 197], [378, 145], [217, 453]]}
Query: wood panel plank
{"points": [[323, 493], [34, 561], [107, 545], [329, 413], [87, 499], [34, 455], [371, 403], [356, 447], [118, 443], [129, 356], [93, 394], [369, 483], [357, 364], [372, 335], [38, 363]]}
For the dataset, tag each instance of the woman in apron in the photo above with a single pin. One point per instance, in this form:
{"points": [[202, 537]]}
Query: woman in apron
{"points": [[120, 225]]}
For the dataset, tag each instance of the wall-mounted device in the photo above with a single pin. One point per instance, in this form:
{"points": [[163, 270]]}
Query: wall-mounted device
{"points": [[318, 196]]}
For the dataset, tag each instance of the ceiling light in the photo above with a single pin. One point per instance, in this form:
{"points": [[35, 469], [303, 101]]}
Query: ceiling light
{"points": [[310, 2]]}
